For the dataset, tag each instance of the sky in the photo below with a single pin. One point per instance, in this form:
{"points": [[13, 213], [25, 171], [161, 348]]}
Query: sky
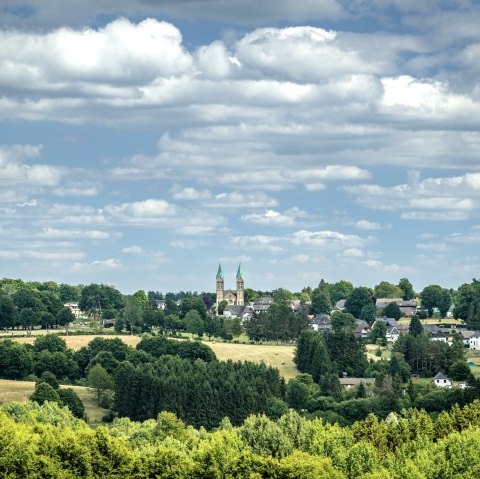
{"points": [[143, 142]]}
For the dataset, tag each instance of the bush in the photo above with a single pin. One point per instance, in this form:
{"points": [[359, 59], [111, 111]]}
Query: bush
{"points": [[44, 392], [49, 378]]}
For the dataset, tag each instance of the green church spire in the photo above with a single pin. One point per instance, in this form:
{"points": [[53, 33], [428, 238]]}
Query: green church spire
{"points": [[219, 272], [239, 272]]}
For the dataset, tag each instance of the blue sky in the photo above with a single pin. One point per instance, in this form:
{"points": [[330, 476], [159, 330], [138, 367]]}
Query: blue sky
{"points": [[143, 142]]}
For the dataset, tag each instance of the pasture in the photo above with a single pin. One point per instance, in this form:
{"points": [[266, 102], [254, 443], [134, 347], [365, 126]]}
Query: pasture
{"points": [[20, 391]]}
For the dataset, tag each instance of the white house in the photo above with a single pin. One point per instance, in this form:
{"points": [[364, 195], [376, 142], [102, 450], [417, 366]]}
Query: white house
{"points": [[474, 341], [442, 381], [77, 312]]}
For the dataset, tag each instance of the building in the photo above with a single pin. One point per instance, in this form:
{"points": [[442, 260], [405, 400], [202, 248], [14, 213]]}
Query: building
{"points": [[442, 381], [474, 341], [262, 303], [349, 383], [407, 307], [230, 296], [77, 312], [321, 322]]}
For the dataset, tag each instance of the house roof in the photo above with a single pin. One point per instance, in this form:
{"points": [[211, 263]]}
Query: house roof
{"points": [[390, 322], [234, 310], [263, 300], [219, 272], [322, 319], [340, 304], [355, 381], [440, 376]]}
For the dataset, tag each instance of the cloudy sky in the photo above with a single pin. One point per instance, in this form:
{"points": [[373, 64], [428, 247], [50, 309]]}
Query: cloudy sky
{"points": [[144, 141]]}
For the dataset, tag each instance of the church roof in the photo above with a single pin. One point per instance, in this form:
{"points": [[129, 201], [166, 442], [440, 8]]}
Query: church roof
{"points": [[219, 272], [239, 272]]}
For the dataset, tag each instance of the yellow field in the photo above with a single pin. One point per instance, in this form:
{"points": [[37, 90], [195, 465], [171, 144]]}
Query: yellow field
{"points": [[371, 348], [21, 390], [76, 342], [278, 356]]}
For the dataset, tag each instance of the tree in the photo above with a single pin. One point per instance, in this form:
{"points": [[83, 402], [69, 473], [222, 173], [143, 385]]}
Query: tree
{"points": [[435, 296], [343, 322], [379, 332], [15, 360], [49, 378], [392, 310], [8, 312], [65, 317], [50, 342], [416, 327], [99, 380], [387, 290], [70, 398], [368, 313], [194, 323], [96, 298], [282, 296], [132, 314], [44, 392], [321, 302], [191, 302], [444, 302], [460, 371], [407, 289], [68, 293], [340, 290], [221, 306], [359, 298]]}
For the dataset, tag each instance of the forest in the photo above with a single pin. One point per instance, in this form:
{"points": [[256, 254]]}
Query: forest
{"points": [[47, 441]]}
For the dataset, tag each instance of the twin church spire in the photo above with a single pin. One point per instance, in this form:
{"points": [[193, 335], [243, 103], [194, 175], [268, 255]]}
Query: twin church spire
{"points": [[231, 297]]}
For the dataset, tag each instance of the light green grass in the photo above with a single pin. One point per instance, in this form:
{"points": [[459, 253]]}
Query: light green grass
{"points": [[21, 390]]}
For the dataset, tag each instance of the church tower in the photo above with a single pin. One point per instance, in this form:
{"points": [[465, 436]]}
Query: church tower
{"points": [[220, 285], [240, 285]]}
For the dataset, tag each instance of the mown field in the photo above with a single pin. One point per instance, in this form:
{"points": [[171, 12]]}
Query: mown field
{"points": [[21, 390], [278, 356]]}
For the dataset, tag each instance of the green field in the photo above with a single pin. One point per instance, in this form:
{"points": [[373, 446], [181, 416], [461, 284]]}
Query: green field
{"points": [[20, 391]]}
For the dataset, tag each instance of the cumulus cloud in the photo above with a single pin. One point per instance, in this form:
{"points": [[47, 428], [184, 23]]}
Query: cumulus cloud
{"points": [[448, 198], [54, 233], [275, 218], [367, 225], [98, 265]]}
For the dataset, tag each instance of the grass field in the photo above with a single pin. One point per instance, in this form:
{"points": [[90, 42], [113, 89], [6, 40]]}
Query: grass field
{"points": [[278, 356], [20, 390], [372, 348]]}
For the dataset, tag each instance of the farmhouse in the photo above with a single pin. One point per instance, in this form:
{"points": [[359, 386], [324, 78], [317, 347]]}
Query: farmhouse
{"points": [[349, 383], [442, 381]]}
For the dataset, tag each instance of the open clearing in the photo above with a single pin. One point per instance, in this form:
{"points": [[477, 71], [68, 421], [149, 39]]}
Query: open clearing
{"points": [[278, 356], [20, 391]]}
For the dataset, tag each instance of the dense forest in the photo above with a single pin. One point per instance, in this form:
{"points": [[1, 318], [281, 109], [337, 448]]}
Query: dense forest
{"points": [[47, 441]]}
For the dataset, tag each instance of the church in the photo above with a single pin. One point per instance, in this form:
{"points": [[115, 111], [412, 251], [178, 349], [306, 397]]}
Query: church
{"points": [[230, 296]]}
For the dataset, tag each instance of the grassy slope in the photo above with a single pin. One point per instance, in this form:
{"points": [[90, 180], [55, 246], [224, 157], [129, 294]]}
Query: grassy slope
{"points": [[20, 390]]}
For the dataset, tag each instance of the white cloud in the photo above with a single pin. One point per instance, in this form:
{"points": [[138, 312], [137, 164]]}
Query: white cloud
{"points": [[367, 225], [53, 233], [353, 253], [190, 194], [136, 250], [315, 186], [184, 244], [275, 218], [98, 265], [241, 200]]}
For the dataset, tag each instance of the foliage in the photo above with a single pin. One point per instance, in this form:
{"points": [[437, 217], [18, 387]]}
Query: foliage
{"points": [[321, 301], [357, 299], [407, 289], [392, 310], [435, 296], [99, 379], [387, 290], [70, 399], [368, 313], [44, 392], [340, 290]]}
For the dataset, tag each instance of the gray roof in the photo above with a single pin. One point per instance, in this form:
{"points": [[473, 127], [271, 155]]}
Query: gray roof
{"points": [[234, 310], [390, 322], [263, 300], [322, 319], [440, 376], [355, 381], [340, 304]]}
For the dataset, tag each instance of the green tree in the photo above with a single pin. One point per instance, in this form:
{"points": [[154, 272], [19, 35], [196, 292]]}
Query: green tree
{"points": [[50, 342], [387, 290], [460, 371], [132, 314], [282, 296], [379, 332], [15, 360], [70, 398], [49, 378], [359, 298], [321, 301], [44, 392], [431, 297], [407, 289], [99, 380], [194, 323], [8, 312], [340, 290], [416, 327], [343, 322], [392, 310], [68, 293], [368, 313]]}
